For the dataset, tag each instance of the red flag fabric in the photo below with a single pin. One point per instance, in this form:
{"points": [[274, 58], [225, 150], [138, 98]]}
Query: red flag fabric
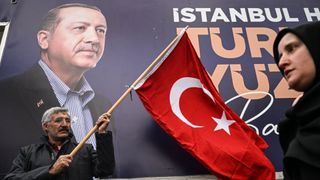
{"points": [[182, 99]]}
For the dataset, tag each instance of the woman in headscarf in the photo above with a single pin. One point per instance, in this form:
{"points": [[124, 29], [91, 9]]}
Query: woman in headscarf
{"points": [[297, 54]]}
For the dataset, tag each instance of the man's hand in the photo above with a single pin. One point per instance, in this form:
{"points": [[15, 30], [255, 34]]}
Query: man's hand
{"points": [[62, 162], [103, 121]]}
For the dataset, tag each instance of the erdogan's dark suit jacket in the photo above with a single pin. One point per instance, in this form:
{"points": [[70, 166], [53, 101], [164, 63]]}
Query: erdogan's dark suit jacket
{"points": [[23, 100]]}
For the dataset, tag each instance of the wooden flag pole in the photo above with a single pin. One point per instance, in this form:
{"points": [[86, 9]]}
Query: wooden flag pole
{"points": [[112, 108]]}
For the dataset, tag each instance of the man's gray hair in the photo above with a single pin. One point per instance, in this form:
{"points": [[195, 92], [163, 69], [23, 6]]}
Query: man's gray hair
{"points": [[54, 110], [51, 19]]}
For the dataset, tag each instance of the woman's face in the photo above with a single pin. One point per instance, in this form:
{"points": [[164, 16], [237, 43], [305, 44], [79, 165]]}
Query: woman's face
{"points": [[296, 62]]}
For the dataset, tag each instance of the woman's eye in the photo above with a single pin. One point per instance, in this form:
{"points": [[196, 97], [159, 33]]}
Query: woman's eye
{"points": [[290, 49], [293, 47]]}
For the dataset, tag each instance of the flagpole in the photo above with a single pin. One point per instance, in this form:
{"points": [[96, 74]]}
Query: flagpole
{"points": [[112, 108]]}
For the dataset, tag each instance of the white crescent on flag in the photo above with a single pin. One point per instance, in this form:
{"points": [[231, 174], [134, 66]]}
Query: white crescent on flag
{"points": [[176, 91]]}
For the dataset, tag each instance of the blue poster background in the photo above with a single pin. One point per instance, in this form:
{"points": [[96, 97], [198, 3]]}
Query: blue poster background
{"points": [[137, 32]]}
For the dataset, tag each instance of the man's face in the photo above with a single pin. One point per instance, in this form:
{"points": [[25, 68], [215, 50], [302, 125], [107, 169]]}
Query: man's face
{"points": [[78, 40], [58, 128], [296, 62]]}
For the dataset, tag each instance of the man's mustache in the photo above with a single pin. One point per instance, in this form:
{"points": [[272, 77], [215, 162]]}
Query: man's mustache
{"points": [[64, 129], [88, 47]]}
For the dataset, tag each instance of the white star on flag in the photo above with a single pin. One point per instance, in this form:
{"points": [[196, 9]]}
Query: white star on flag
{"points": [[223, 123]]}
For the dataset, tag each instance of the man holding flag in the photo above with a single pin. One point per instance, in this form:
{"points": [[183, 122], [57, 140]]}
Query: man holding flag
{"points": [[181, 98], [50, 159]]}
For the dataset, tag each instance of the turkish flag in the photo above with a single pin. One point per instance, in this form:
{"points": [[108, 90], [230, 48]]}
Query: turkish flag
{"points": [[182, 99]]}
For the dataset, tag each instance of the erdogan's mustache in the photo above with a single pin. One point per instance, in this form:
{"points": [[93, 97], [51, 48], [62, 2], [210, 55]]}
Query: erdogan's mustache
{"points": [[88, 47]]}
